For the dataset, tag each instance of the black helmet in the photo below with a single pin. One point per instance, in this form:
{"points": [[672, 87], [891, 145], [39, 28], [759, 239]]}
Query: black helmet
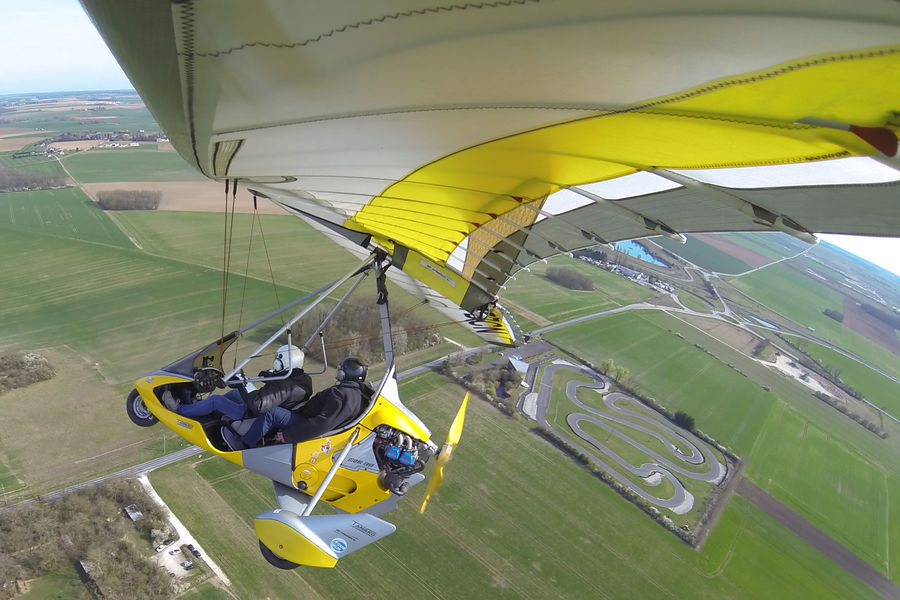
{"points": [[352, 369]]}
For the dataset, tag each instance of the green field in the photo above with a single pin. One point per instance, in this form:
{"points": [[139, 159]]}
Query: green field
{"points": [[279, 242], [32, 164], [64, 583], [72, 428], [695, 302], [773, 244], [804, 300], [129, 164], [554, 303], [831, 485], [125, 310], [765, 560], [519, 521], [205, 591], [9, 483], [703, 255], [67, 213]]}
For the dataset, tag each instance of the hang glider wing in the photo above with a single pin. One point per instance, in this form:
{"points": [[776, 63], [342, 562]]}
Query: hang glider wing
{"points": [[471, 139]]}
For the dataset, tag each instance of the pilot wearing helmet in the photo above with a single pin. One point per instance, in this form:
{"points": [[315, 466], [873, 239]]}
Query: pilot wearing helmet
{"points": [[329, 409], [288, 392]]}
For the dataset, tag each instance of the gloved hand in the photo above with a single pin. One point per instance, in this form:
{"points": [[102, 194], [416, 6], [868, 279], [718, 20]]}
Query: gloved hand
{"points": [[237, 380]]}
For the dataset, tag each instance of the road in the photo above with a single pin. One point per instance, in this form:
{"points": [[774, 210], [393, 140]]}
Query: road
{"points": [[133, 471]]}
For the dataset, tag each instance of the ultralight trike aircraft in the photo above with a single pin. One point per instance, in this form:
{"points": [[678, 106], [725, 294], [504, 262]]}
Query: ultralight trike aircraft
{"points": [[360, 469], [468, 140]]}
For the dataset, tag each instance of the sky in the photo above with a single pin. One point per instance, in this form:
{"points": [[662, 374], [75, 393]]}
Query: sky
{"points": [[51, 46]]}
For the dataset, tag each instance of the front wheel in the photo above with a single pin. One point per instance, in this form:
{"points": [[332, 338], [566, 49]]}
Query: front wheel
{"points": [[138, 412], [275, 560]]}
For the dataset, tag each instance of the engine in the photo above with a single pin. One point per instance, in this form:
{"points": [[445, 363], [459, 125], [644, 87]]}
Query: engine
{"points": [[399, 455]]}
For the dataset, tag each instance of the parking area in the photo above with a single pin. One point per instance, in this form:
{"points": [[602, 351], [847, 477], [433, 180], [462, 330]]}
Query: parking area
{"points": [[172, 557]]}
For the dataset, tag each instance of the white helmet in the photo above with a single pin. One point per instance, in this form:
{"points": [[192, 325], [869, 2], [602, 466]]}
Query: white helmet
{"points": [[288, 355]]}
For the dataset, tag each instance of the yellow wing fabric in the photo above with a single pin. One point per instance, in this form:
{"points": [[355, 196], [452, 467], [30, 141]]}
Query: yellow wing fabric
{"points": [[470, 140]]}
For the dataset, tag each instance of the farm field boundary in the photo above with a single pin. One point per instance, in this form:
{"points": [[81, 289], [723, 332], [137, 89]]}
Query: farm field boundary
{"points": [[818, 539]]}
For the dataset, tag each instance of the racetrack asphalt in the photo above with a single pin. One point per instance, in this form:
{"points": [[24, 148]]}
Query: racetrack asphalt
{"points": [[696, 451]]}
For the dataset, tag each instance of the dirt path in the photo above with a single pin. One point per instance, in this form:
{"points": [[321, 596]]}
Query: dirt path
{"points": [[719, 505], [819, 540]]}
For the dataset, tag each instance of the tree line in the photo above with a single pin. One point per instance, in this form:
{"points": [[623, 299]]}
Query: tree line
{"points": [[493, 383], [569, 278], [89, 527], [13, 180], [355, 330], [888, 318], [129, 199], [834, 314]]}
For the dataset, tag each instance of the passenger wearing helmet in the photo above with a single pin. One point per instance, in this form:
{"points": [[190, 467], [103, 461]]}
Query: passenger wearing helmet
{"points": [[330, 409], [239, 403], [287, 393]]}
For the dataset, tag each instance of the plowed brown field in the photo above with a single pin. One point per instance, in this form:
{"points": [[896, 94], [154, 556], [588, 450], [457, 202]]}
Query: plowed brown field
{"points": [[868, 326], [754, 259]]}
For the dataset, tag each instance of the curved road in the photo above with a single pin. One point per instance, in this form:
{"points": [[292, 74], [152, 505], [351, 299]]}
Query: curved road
{"points": [[696, 452]]}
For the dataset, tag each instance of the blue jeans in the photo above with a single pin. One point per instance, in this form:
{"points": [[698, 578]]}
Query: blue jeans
{"points": [[278, 417], [229, 404]]}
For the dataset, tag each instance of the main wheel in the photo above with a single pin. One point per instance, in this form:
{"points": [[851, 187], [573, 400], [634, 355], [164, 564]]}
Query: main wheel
{"points": [[275, 560], [138, 412]]}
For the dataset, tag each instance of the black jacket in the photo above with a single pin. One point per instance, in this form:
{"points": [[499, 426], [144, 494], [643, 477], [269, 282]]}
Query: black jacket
{"points": [[327, 410], [287, 393]]}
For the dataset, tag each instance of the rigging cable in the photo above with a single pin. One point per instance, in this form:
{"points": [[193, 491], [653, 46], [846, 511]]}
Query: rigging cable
{"points": [[256, 221], [226, 260], [268, 260]]}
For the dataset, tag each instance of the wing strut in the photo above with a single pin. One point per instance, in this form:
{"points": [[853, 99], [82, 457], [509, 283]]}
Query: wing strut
{"points": [[588, 235], [651, 224]]}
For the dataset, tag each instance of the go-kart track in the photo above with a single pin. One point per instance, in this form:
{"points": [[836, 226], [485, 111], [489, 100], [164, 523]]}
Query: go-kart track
{"points": [[689, 451]]}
